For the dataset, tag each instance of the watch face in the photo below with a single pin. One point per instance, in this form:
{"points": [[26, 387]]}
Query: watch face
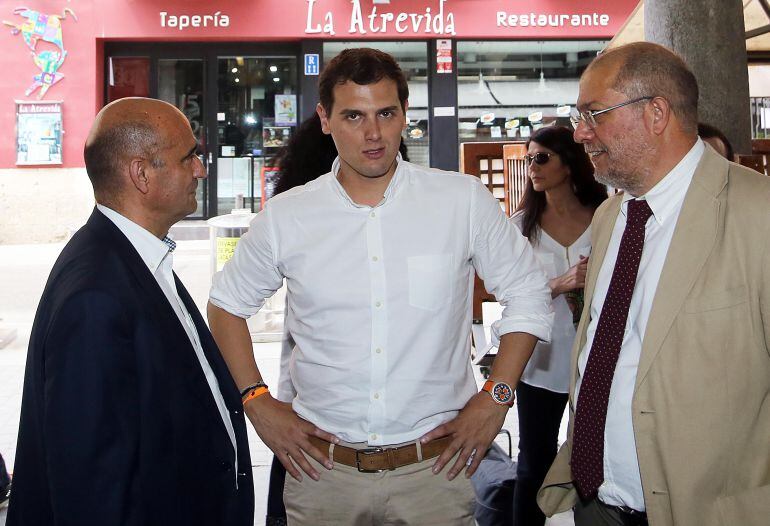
{"points": [[502, 393]]}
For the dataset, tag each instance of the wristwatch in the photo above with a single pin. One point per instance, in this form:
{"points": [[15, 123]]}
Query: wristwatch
{"points": [[501, 392]]}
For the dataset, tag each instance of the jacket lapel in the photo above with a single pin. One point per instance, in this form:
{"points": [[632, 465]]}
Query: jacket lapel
{"points": [[602, 227], [171, 331], [694, 237], [226, 383]]}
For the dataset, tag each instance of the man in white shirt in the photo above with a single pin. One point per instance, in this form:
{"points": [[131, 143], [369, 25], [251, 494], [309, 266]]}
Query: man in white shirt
{"points": [[379, 257], [129, 415], [670, 399]]}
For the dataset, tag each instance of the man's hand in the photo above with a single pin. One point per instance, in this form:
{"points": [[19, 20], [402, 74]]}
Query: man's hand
{"points": [[574, 278], [286, 434], [473, 430]]}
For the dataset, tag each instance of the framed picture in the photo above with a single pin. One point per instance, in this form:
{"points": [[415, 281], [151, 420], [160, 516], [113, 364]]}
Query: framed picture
{"points": [[275, 136], [285, 110], [38, 132]]}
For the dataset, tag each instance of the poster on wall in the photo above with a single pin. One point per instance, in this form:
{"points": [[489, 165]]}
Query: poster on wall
{"points": [[285, 110], [38, 132], [443, 56]]}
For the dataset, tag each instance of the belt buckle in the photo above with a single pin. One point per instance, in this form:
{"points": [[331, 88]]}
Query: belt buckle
{"points": [[368, 451]]}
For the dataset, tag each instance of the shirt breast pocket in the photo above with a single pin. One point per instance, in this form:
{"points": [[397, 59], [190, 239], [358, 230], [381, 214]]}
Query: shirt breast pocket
{"points": [[430, 281]]}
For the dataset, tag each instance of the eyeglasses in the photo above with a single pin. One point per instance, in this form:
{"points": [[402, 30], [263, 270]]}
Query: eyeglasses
{"points": [[588, 117], [538, 158]]}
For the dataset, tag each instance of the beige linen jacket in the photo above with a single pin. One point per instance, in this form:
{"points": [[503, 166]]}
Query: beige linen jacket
{"points": [[701, 404]]}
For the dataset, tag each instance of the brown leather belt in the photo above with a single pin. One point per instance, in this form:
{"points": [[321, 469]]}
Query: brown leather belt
{"points": [[376, 459]]}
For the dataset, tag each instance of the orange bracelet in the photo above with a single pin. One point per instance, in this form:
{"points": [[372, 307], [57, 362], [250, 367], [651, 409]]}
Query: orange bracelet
{"points": [[259, 391]]}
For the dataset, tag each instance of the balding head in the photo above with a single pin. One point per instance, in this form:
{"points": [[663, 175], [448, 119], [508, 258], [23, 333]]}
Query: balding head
{"points": [[123, 130], [643, 69]]}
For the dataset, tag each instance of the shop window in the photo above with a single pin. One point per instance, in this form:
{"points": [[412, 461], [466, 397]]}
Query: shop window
{"points": [[413, 59], [506, 90], [128, 77], [256, 115]]}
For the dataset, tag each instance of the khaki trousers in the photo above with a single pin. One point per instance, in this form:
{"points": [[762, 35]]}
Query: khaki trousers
{"points": [[411, 495]]}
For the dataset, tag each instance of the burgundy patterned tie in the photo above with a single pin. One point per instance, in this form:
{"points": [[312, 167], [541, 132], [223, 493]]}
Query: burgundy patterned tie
{"points": [[591, 413]]}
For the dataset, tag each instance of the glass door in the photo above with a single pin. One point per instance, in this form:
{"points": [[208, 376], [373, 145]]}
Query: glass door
{"points": [[256, 114], [180, 82], [139, 71]]}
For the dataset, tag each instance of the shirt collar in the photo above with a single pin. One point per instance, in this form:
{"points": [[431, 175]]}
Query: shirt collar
{"points": [[393, 186], [666, 197], [151, 249]]}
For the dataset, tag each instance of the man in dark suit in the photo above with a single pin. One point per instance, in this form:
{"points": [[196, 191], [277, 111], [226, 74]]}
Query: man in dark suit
{"points": [[129, 415]]}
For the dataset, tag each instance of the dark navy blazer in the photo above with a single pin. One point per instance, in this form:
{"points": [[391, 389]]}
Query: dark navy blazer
{"points": [[118, 425]]}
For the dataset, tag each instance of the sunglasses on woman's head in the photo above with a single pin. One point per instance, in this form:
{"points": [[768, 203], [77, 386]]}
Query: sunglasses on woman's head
{"points": [[539, 158]]}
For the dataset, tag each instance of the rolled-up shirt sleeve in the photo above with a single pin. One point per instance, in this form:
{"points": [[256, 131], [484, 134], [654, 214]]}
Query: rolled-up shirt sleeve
{"points": [[507, 264], [252, 274]]}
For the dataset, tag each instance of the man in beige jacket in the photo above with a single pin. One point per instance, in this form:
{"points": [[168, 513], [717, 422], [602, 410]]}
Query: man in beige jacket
{"points": [[670, 399]]}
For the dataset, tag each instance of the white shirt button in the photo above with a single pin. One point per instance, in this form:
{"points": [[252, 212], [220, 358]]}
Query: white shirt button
{"points": [[372, 215], [378, 350], [376, 396], [374, 436], [375, 258], [378, 304]]}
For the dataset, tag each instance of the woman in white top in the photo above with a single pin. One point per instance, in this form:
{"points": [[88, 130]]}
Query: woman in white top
{"points": [[555, 215]]}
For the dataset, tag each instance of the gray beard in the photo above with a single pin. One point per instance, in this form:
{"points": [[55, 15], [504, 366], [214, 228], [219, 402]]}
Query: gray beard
{"points": [[628, 178], [630, 183]]}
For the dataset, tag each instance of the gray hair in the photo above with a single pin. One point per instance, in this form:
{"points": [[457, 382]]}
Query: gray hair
{"points": [[650, 70], [106, 155]]}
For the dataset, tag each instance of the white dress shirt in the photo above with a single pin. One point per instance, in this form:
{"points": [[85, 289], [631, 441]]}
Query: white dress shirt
{"points": [[379, 298], [549, 366], [622, 482], [158, 257]]}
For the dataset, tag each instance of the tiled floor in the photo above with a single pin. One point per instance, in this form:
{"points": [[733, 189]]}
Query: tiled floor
{"points": [[23, 272]]}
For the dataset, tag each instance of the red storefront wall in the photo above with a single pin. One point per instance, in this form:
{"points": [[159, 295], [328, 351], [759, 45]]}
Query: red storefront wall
{"points": [[87, 23]]}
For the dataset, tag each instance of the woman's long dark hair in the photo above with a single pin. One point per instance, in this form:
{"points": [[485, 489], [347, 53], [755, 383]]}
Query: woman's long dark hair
{"points": [[589, 192], [308, 155]]}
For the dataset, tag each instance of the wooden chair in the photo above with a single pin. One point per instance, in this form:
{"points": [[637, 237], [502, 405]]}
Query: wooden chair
{"points": [[516, 171]]}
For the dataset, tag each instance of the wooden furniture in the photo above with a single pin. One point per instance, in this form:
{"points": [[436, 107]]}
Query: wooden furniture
{"points": [[755, 162], [485, 161], [515, 172], [761, 147]]}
